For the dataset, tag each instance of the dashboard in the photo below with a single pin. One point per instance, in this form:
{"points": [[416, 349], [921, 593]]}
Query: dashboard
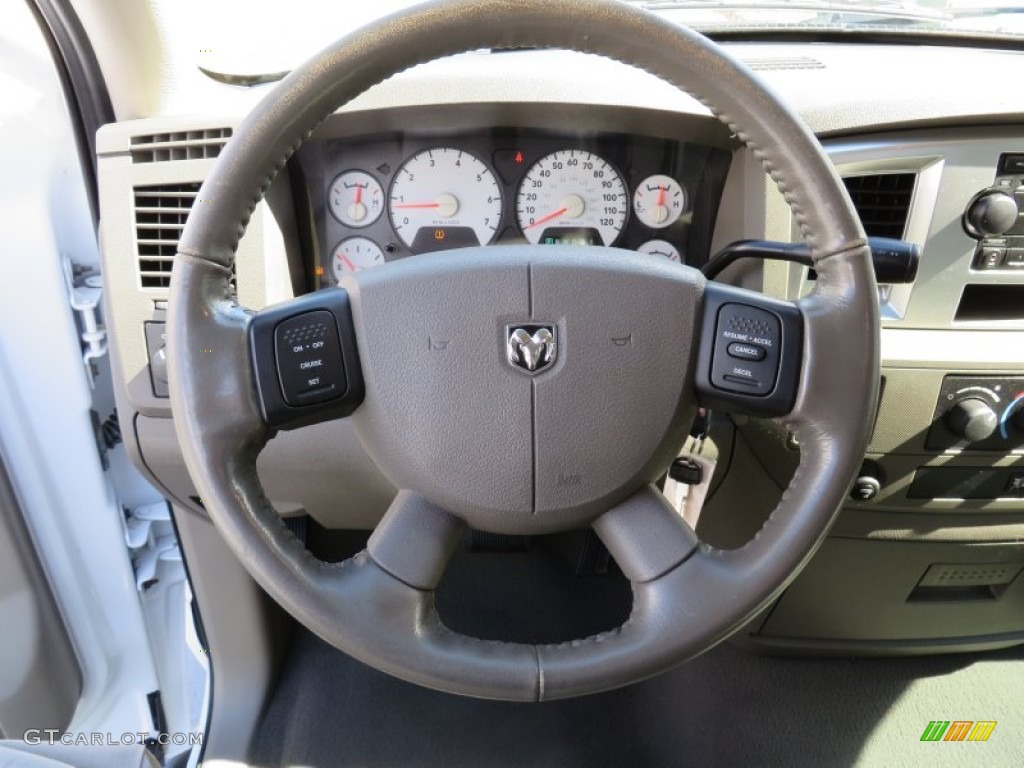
{"points": [[385, 197]]}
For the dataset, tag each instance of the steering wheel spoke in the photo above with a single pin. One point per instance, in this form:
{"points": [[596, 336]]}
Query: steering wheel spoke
{"points": [[646, 536], [414, 541]]}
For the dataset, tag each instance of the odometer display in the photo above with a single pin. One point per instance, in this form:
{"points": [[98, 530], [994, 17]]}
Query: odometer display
{"points": [[572, 190]]}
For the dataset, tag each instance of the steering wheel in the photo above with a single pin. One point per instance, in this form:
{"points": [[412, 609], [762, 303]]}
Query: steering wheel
{"points": [[522, 389]]}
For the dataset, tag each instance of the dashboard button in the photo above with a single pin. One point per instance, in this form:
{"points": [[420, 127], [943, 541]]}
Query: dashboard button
{"points": [[991, 258], [865, 488], [746, 352], [1014, 258], [1015, 485]]}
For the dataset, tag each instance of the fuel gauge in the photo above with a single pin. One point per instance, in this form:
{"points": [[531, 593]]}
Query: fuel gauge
{"points": [[355, 255]]}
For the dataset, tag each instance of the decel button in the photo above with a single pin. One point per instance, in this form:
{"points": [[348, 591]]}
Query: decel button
{"points": [[309, 360]]}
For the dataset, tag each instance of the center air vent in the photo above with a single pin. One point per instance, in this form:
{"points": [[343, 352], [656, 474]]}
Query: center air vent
{"points": [[182, 145], [160, 214], [883, 202]]}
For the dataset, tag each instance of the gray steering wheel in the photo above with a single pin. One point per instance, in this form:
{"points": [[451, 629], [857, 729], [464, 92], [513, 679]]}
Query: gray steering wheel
{"points": [[475, 438]]}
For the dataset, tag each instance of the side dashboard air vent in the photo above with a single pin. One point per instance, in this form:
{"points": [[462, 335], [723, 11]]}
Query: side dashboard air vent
{"points": [[180, 145], [882, 201], [160, 214]]}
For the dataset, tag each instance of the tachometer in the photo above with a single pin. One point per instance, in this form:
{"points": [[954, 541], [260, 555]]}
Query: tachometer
{"points": [[572, 196], [444, 198]]}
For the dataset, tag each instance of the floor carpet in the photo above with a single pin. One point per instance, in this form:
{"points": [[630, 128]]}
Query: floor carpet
{"points": [[726, 708]]}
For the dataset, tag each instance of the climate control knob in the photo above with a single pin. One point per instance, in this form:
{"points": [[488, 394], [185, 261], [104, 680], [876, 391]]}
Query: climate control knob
{"points": [[992, 213], [973, 419]]}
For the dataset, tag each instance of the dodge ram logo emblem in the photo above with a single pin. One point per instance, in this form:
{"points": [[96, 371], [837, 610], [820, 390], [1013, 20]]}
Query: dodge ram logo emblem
{"points": [[531, 348]]}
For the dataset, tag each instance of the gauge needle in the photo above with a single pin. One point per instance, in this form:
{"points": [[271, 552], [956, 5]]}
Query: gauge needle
{"points": [[549, 217], [347, 263], [447, 205], [356, 210], [661, 195]]}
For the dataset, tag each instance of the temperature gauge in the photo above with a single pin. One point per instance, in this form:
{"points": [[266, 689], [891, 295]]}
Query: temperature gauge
{"points": [[661, 248], [355, 254], [659, 201], [356, 199]]}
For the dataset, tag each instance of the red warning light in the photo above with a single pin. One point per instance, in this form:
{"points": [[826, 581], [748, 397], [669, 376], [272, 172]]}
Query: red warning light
{"points": [[519, 157]]}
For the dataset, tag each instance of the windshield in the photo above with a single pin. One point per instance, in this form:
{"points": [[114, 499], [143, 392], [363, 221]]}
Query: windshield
{"points": [[271, 38], [964, 17]]}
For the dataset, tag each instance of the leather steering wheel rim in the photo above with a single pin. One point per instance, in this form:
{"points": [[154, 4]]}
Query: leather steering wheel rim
{"points": [[378, 606]]}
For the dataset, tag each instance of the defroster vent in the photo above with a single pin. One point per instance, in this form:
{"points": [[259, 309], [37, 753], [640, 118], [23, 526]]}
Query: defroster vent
{"points": [[883, 202], [180, 145]]}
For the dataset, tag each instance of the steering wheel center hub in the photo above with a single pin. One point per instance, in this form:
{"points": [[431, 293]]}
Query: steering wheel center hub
{"points": [[585, 396]]}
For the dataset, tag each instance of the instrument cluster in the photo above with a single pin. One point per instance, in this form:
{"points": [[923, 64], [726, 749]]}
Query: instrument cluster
{"points": [[381, 198]]}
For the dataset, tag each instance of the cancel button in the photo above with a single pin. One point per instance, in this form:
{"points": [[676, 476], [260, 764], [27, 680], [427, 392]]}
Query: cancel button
{"points": [[746, 351]]}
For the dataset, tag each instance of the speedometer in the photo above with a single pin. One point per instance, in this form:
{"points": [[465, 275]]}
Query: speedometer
{"points": [[572, 196], [444, 198]]}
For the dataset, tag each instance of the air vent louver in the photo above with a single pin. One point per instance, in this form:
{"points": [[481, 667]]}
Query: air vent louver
{"points": [[882, 201], [160, 214], [180, 145]]}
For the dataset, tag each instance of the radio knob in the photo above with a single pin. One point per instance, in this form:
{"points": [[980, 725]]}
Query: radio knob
{"points": [[993, 213], [973, 419]]}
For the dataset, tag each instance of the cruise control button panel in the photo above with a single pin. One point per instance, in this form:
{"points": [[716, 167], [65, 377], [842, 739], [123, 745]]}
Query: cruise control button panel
{"points": [[309, 361], [743, 333], [751, 345], [305, 360]]}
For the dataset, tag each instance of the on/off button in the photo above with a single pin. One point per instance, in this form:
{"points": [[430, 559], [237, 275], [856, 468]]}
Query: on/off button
{"points": [[746, 352]]}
